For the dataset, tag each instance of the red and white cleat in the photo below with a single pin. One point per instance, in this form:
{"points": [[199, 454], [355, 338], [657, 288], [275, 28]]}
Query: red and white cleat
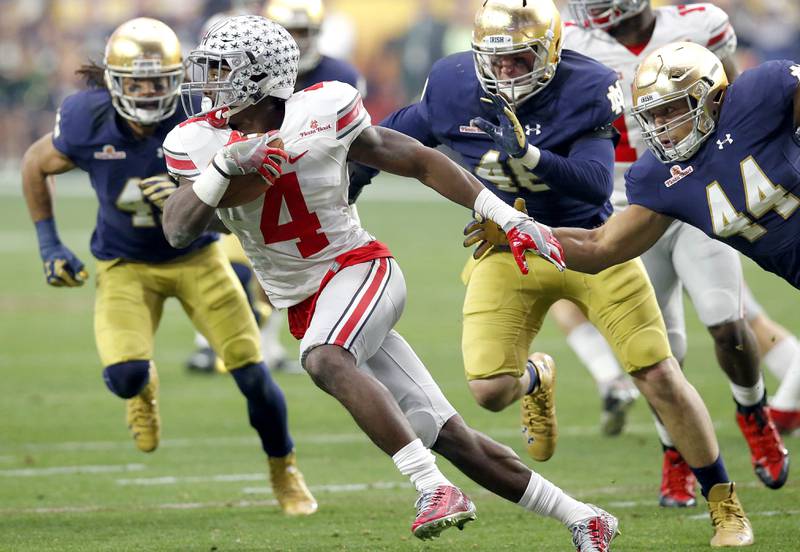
{"points": [[443, 507], [786, 421], [677, 482], [596, 533], [768, 454]]}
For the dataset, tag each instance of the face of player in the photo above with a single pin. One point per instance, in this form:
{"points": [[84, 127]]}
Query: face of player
{"points": [[673, 118], [139, 87], [512, 66]]}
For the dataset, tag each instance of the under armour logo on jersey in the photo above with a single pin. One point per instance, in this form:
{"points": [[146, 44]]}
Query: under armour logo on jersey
{"points": [[536, 129], [727, 140], [616, 98]]}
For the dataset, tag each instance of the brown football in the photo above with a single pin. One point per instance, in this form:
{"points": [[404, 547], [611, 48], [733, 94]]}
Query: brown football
{"points": [[247, 188]]}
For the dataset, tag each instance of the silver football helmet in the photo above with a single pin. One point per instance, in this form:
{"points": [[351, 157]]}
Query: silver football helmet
{"points": [[240, 61], [603, 14]]}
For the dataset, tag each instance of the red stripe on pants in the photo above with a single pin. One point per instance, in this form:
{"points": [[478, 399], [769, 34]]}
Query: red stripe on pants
{"points": [[361, 308]]}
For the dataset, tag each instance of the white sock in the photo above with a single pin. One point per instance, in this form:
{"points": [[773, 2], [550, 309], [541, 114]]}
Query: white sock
{"points": [[271, 346], [783, 354], [663, 435], [788, 395], [419, 464], [200, 341], [595, 354], [544, 498], [748, 396]]}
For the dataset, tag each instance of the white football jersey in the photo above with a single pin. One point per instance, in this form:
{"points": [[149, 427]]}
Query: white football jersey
{"points": [[703, 24], [295, 230]]}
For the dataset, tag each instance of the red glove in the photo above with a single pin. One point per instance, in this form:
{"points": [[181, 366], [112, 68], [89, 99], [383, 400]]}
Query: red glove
{"points": [[530, 235]]}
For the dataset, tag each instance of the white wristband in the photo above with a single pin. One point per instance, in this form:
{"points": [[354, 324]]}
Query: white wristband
{"points": [[210, 186], [491, 207], [531, 157]]}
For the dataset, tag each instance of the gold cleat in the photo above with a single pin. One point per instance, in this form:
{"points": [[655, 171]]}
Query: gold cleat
{"points": [[142, 416], [539, 425], [289, 486], [731, 526]]}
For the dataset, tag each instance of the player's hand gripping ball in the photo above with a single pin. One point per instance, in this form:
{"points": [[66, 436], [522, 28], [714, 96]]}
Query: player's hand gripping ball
{"points": [[254, 164]]}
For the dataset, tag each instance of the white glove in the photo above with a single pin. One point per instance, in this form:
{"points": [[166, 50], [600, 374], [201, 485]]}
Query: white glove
{"points": [[251, 155]]}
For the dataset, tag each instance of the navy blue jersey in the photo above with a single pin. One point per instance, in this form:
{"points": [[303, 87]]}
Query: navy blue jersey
{"points": [[742, 186], [331, 69], [582, 97], [89, 132]]}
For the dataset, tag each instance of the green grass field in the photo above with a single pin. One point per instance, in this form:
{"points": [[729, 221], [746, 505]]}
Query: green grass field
{"points": [[71, 480]]}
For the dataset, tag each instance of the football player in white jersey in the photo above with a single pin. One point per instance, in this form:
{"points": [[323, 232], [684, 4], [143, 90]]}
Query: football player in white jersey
{"points": [[620, 34], [343, 289]]}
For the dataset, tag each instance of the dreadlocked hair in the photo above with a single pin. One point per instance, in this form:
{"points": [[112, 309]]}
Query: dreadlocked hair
{"points": [[93, 74]]}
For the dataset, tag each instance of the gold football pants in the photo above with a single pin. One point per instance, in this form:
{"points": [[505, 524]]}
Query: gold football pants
{"points": [[130, 300], [504, 310]]}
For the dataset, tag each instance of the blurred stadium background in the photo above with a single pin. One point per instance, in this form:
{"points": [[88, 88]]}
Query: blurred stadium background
{"points": [[71, 480]]}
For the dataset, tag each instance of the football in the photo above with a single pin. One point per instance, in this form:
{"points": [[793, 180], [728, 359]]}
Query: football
{"points": [[249, 187]]}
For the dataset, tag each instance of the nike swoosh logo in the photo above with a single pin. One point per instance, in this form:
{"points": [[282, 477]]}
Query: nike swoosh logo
{"points": [[293, 160]]}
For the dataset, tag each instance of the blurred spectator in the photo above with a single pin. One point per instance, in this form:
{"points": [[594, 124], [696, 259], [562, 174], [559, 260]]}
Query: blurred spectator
{"points": [[394, 44]]}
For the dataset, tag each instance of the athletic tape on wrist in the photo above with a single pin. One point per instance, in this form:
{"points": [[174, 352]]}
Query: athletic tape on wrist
{"points": [[491, 207], [211, 185]]}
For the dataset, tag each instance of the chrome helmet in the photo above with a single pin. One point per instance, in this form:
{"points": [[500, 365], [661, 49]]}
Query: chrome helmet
{"points": [[681, 71], [517, 28], [240, 61], [143, 70]]}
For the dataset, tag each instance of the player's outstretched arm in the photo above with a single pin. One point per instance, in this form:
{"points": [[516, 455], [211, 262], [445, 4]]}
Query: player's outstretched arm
{"points": [[391, 151], [621, 238], [41, 161], [387, 150]]}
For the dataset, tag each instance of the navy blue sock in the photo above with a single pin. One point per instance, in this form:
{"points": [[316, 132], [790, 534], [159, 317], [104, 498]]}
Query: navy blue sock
{"points": [[266, 407], [127, 379], [710, 475], [534, 377]]}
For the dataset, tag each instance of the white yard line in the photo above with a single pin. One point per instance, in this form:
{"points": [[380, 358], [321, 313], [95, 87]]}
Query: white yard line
{"points": [[316, 439], [71, 470]]}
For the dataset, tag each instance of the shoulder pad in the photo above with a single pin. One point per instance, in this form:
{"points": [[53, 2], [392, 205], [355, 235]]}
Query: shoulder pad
{"points": [[190, 146], [81, 116]]}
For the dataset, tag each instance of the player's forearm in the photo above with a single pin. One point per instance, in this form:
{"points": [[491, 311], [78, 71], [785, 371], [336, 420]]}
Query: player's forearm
{"points": [[36, 191], [185, 217], [582, 250], [587, 174], [448, 179], [40, 161]]}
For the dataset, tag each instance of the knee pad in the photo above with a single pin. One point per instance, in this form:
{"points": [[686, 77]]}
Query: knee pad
{"points": [[425, 426], [645, 348], [718, 307], [127, 379], [240, 351]]}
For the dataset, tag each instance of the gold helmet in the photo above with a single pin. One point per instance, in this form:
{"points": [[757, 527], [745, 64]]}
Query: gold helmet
{"points": [[303, 19], [517, 28], [678, 71], [148, 51]]}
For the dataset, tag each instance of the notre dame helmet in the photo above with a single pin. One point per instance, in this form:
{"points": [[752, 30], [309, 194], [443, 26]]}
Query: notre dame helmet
{"points": [[604, 14], [303, 19], [679, 71], [149, 50], [514, 27]]}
